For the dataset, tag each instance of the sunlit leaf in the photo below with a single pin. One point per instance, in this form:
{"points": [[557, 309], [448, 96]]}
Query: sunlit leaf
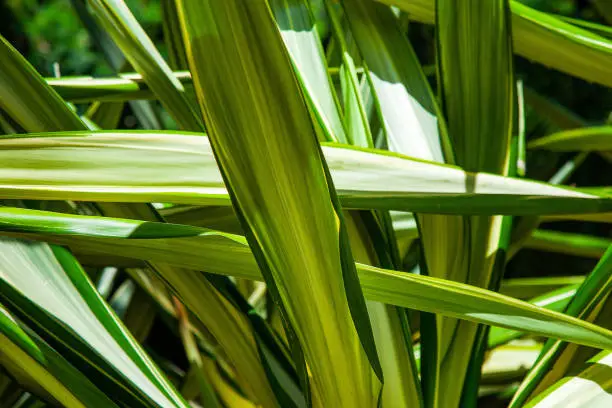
{"points": [[555, 300], [116, 18], [41, 369], [56, 297], [589, 388], [542, 38], [228, 254], [284, 179], [585, 139], [586, 304], [180, 167], [301, 38]]}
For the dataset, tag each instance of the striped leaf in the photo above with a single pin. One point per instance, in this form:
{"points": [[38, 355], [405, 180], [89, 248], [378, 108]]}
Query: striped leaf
{"points": [[586, 304], [41, 369], [228, 254], [115, 17], [282, 192], [180, 168], [542, 38], [301, 38], [55, 297], [586, 139]]}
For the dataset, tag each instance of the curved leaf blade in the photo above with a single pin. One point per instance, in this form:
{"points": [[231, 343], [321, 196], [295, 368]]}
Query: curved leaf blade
{"points": [[228, 254], [180, 167], [589, 388], [591, 293], [542, 38], [34, 363], [116, 18], [59, 301], [583, 139], [301, 38], [27, 99], [282, 191]]}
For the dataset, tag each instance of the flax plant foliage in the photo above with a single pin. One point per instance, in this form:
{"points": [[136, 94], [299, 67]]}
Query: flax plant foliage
{"points": [[323, 203]]}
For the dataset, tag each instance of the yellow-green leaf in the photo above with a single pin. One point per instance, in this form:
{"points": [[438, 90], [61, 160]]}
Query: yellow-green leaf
{"points": [[263, 139]]}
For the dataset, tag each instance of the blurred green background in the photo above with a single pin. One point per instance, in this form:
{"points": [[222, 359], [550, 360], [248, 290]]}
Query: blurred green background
{"points": [[50, 31]]}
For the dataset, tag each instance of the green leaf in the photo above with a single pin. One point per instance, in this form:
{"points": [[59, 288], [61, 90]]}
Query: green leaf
{"points": [[105, 115], [157, 289], [601, 217], [478, 89], [585, 305], [55, 297], [140, 314], [596, 28], [404, 225], [585, 139], [207, 393], [218, 218], [526, 226], [115, 17], [113, 55], [524, 288], [143, 110], [401, 387], [180, 168], [568, 243], [451, 299], [555, 300], [390, 328], [301, 38], [477, 86], [27, 99], [355, 117], [40, 368], [411, 117], [173, 36], [519, 143], [125, 86], [227, 254], [542, 38], [354, 111], [228, 326], [505, 365], [589, 388], [61, 120], [282, 191]]}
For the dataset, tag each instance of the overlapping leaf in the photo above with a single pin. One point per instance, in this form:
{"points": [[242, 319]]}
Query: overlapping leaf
{"points": [[264, 141], [411, 117], [477, 85], [60, 303], [25, 97], [228, 254], [542, 38], [180, 168], [586, 304], [115, 17], [40, 368], [589, 388], [585, 139], [301, 38]]}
